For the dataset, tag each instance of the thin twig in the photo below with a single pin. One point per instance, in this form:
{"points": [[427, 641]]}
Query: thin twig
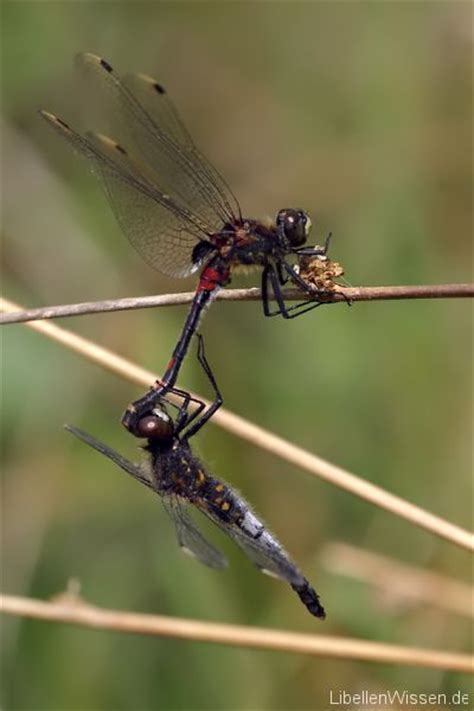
{"points": [[264, 439], [344, 294], [78, 612], [398, 581]]}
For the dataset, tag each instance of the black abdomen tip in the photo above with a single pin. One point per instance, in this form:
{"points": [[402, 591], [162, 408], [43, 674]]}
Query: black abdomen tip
{"points": [[310, 600]]}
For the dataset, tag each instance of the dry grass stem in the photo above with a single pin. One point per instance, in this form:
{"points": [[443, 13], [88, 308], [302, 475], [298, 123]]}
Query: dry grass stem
{"points": [[264, 439], [73, 610], [366, 293], [400, 582]]}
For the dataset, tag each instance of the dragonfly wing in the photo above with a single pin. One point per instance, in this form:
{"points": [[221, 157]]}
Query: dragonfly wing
{"points": [[213, 193], [189, 537], [134, 470], [145, 117], [161, 230], [259, 545], [265, 551]]}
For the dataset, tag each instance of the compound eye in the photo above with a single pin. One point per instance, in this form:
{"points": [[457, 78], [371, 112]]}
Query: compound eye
{"points": [[295, 225], [153, 427]]}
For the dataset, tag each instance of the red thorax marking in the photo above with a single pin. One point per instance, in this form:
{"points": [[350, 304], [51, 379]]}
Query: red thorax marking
{"points": [[211, 278]]}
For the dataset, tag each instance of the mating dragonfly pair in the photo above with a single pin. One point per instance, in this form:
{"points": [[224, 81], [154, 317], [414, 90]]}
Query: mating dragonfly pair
{"points": [[180, 215]]}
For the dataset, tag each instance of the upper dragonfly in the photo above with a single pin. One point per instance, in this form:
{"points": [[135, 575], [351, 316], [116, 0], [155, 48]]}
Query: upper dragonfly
{"points": [[180, 479], [178, 211]]}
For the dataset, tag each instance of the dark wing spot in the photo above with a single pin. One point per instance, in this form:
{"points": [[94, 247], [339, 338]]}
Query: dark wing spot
{"points": [[158, 88], [106, 66], [52, 118], [120, 149], [62, 123]]}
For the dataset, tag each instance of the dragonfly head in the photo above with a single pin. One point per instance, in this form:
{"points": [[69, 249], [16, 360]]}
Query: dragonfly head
{"points": [[293, 226], [157, 427]]}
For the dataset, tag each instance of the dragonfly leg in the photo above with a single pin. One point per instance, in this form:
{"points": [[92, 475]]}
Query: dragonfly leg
{"points": [[273, 278], [217, 402], [276, 278], [144, 406]]}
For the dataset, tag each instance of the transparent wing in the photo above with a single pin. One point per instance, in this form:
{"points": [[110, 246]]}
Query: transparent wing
{"points": [[145, 118], [161, 230], [133, 469], [266, 552], [259, 545], [209, 191], [189, 537], [153, 99]]}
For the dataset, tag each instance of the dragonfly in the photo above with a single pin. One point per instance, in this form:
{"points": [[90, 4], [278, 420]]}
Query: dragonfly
{"points": [[183, 482], [179, 213]]}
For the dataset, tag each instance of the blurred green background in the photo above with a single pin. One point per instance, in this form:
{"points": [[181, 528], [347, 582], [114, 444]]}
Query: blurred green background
{"points": [[361, 114]]}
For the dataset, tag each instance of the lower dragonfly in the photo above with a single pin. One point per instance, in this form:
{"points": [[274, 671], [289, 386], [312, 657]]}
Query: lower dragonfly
{"points": [[181, 479]]}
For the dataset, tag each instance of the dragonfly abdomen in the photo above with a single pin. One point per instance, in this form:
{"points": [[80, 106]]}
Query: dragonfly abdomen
{"points": [[217, 498]]}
